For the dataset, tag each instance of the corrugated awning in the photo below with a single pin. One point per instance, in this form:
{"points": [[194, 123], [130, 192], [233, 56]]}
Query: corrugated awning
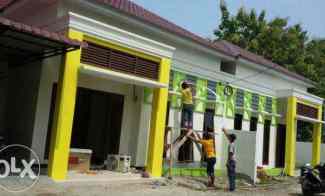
{"points": [[20, 43], [120, 77]]}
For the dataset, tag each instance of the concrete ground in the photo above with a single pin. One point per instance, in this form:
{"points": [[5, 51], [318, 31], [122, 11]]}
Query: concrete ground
{"points": [[149, 187]]}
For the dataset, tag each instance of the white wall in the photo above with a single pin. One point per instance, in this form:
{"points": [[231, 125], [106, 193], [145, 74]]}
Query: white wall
{"points": [[245, 154], [304, 153]]}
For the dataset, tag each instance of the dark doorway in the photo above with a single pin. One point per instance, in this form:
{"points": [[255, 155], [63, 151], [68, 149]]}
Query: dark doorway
{"points": [[97, 122], [238, 122], [253, 124], [280, 146], [266, 142]]}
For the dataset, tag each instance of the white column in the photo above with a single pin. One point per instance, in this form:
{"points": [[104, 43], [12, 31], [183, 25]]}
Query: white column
{"points": [[259, 144], [174, 121], [272, 151], [143, 137], [198, 120], [218, 141], [246, 125]]}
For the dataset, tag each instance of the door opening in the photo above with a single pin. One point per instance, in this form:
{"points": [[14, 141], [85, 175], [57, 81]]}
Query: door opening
{"points": [[97, 123], [266, 142], [280, 146]]}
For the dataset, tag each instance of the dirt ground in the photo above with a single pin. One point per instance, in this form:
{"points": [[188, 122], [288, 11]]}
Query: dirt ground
{"points": [[176, 187]]}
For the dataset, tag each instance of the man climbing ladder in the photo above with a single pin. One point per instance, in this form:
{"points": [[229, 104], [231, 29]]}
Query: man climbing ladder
{"points": [[187, 109]]}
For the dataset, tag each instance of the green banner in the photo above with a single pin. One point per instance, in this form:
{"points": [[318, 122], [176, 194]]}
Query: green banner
{"points": [[230, 102], [201, 94], [247, 105], [176, 101], [261, 108], [219, 110], [147, 95], [274, 111]]}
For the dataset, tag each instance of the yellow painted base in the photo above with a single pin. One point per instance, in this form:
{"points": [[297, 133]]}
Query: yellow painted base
{"points": [[64, 111], [158, 118]]}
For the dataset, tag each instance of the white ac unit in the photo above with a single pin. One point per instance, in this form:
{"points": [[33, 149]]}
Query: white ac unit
{"points": [[120, 163]]}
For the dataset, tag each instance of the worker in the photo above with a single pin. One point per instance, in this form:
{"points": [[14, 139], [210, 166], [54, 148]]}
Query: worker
{"points": [[231, 161], [187, 106], [209, 151]]}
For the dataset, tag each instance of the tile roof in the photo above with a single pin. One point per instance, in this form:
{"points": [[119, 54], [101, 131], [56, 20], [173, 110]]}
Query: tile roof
{"points": [[134, 10], [5, 3], [6, 23]]}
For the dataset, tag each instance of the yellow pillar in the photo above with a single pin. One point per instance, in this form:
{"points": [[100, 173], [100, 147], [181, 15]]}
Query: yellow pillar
{"points": [[317, 137], [64, 111], [290, 151], [158, 118]]}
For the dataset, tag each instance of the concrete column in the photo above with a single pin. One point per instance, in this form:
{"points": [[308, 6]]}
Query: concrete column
{"points": [[158, 118], [291, 132], [317, 139], [272, 151], [64, 111]]}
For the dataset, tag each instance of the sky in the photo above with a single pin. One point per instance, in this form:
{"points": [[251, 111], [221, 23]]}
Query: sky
{"points": [[203, 16]]}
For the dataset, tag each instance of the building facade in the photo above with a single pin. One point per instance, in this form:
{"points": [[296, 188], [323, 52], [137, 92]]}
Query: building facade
{"points": [[118, 95]]}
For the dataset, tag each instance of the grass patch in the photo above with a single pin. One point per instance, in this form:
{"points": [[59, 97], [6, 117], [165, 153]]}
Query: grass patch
{"points": [[273, 172], [193, 172]]}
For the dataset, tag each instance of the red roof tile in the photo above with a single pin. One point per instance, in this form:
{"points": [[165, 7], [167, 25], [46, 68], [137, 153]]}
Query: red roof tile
{"points": [[4, 22], [130, 8]]}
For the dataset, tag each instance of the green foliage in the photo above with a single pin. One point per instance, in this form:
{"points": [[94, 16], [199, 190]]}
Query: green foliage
{"points": [[287, 45]]}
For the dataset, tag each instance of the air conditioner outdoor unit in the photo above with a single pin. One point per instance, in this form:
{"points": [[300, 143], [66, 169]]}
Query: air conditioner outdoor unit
{"points": [[120, 163]]}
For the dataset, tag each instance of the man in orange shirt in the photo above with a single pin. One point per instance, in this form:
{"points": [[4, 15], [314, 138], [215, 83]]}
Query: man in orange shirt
{"points": [[209, 150]]}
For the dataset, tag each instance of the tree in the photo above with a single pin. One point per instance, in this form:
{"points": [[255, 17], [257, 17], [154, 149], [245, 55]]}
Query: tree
{"points": [[315, 59], [286, 45]]}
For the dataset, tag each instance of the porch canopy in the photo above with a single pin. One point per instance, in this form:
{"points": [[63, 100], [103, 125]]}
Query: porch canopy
{"points": [[21, 43]]}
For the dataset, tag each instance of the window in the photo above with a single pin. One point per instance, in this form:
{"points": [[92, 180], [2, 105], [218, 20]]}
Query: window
{"points": [[307, 111], [240, 98], [212, 87], [268, 105], [171, 80], [253, 124], [304, 131], [228, 67], [238, 121], [255, 101]]}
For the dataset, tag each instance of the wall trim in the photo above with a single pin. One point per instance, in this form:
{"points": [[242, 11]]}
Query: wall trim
{"points": [[119, 36], [300, 95]]}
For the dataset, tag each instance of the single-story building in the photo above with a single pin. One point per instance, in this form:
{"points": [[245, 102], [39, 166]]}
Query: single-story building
{"points": [[118, 94]]}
